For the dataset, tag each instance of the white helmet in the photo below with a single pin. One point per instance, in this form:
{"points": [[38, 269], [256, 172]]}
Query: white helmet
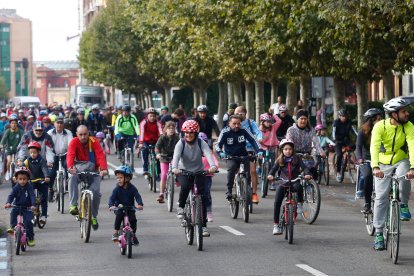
{"points": [[285, 142], [395, 104]]}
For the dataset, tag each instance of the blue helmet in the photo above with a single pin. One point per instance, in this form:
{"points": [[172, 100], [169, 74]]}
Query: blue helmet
{"points": [[42, 112], [125, 170], [13, 117]]}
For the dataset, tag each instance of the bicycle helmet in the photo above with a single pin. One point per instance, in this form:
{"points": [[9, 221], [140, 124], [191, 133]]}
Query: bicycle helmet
{"points": [[95, 107], [34, 145], [265, 117], [202, 108], [126, 108], [59, 119], [100, 135], [43, 112], [164, 108], [395, 104], [190, 126], [319, 127], [21, 111], [286, 142], [203, 136], [372, 112], [13, 117], [23, 170], [125, 170], [282, 108], [152, 110], [30, 117], [342, 112], [46, 120], [81, 111], [38, 125]]}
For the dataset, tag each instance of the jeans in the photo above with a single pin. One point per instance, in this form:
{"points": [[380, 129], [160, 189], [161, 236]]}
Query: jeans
{"points": [[95, 187], [120, 218], [145, 157], [382, 189], [27, 220], [55, 168], [187, 183], [43, 193], [232, 169], [280, 195]]}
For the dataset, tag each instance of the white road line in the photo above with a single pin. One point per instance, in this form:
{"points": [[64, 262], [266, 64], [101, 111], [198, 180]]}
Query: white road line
{"points": [[3, 253], [3, 239], [3, 265], [111, 165], [3, 244], [311, 270], [232, 230], [137, 170]]}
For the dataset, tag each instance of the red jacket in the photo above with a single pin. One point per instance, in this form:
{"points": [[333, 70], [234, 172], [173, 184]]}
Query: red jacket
{"points": [[79, 152], [149, 132]]}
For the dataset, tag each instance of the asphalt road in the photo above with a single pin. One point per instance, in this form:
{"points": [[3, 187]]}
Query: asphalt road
{"points": [[337, 244]]}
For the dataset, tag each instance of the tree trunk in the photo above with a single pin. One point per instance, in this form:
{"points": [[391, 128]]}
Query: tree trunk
{"points": [[222, 106], [273, 91], [230, 93], [388, 79], [292, 95], [249, 100], [202, 96], [362, 99], [195, 97], [305, 90], [339, 96], [236, 86], [149, 99], [259, 98], [167, 97]]}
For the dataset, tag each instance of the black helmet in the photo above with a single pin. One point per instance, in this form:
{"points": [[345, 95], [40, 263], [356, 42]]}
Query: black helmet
{"points": [[126, 108], [372, 112], [342, 112]]}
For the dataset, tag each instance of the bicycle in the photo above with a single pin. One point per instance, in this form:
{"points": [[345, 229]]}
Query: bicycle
{"points": [[169, 187], [348, 163], [323, 169], [126, 153], [36, 211], [368, 216], [85, 211], [392, 228], [20, 236], [193, 213], [153, 172], [12, 168], [265, 165], [59, 185], [126, 237], [242, 192]]}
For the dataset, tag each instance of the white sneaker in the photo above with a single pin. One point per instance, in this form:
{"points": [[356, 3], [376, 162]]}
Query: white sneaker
{"points": [[277, 230], [7, 176], [299, 208], [180, 213], [205, 232], [210, 217], [338, 177], [43, 220]]}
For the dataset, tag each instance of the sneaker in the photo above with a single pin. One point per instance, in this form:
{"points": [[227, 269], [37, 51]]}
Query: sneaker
{"points": [[338, 177], [42, 220], [31, 243], [50, 196], [115, 237], [10, 230], [229, 196], [299, 208], [379, 242], [277, 230], [405, 214], [146, 175], [95, 224], [180, 213], [210, 217], [366, 209], [205, 232], [7, 176], [273, 187], [255, 198], [135, 240], [160, 199], [73, 210]]}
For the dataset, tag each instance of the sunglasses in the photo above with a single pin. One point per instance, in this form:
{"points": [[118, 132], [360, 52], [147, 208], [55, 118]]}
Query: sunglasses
{"points": [[39, 130], [60, 122]]}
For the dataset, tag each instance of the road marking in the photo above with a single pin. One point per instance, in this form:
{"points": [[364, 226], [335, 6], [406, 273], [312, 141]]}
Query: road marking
{"points": [[311, 270], [3, 253], [137, 170], [3, 239], [3, 265], [232, 230], [111, 165], [3, 244]]}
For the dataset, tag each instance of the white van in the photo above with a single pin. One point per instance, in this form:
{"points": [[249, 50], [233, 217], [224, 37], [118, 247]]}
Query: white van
{"points": [[25, 101]]}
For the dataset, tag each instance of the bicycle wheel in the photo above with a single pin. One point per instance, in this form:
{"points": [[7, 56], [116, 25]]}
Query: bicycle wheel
{"points": [[311, 201], [343, 167], [61, 194], [153, 176], [86, 220], [351, 168], [189, 227], [18, 237], [395, 231], [334, 164], [128, 237], [290, 223], [199, 223], [234, 203], [12, 169], [245, 199], [264, 181], [326, 170], [170, 192]]}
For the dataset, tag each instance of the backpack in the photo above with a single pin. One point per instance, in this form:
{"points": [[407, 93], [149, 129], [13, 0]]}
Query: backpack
{"points": [[122, 120], [183, 142]]}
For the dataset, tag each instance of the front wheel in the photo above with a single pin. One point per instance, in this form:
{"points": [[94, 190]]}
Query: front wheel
{"points": [[86, 220], [199, 223], [290, 223], [129, 244], [395, 231], [189, 227], [170, 192], [245, 199], [18, 237], [61, 194], [264, 181], [311, 201]]}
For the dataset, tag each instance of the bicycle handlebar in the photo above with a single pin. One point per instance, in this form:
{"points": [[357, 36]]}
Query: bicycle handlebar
{"points": [[121, 207], [188, 173], [61, 154], [87, 173], [395, 177], [239, 157], [300, 177], [17, 207]]}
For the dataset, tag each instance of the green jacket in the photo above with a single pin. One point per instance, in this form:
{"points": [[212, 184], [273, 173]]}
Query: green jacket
{"points": [[12, 139], [127, 126], [391, 144]]}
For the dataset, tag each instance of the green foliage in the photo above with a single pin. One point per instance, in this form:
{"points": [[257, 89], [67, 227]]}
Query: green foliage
{"points": [[3, 88]]}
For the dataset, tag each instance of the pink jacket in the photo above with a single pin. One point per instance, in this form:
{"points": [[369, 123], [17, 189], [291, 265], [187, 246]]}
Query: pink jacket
{"points": [[269, 136], [206, 164]]}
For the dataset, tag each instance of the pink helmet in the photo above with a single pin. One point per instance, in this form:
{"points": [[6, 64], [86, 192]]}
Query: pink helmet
{"points": [[319, 127], [203, 136], [265, 117]]}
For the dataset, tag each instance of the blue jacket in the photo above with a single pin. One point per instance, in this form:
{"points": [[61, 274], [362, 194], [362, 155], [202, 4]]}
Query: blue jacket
{"points": [[22, 195], [125, 196], [235, 142], [254, 129]]}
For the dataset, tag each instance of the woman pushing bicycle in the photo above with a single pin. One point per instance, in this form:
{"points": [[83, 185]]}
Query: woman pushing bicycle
{"points": [[289, 166]]}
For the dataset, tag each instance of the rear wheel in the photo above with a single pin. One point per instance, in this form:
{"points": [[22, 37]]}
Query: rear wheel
{"points": [[153, 176], [61, 194], [170, 192], [343, 168], [351, 167], [326, 170], [12, 169], [86, 220], [395, 231], [128, 237], [245, 199], [234, 204], [290, 223], [311, 201], [189, 228], [264, 181], [18, 236], [199, 223]]}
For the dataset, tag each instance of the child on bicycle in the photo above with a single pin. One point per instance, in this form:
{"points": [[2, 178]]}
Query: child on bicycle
{"points": [[324, 141], [39, 175], [209, 178], [164, 149], [22, 195], [288, 166], [124, 194]]}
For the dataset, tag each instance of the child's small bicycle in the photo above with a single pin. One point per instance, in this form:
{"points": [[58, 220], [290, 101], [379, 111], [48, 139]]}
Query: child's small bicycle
{"points": [[20, 236], [126, 237]]}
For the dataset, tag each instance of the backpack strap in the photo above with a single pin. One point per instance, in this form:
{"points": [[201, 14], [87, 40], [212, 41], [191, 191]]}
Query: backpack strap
{"points": [[183, 143]]}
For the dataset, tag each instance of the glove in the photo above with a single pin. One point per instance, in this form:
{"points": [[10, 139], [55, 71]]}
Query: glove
{"points": [[118, 136], [222, 155]]}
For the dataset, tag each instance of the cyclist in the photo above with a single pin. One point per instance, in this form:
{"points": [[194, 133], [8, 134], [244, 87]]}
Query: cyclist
{"points": [[30, 123], [150, 130], [126, 126], [371, 117], [395, 136], [276, 106], [3, 123], [230, 111], [341, 134], [164, 149], [80, 120], [177, 116], [39, 172], [234, 138], [96, 121], [61, 139], [287, 122], [89, 156], [164, 111], [47, 124], [124, 194], [252, 127], [289, 166], [10, 142], [139, 114], [22, 195], [188, 156], [207, 123]]}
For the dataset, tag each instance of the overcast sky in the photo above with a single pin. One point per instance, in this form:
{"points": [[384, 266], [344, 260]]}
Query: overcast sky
{"points": [[52, 22]]}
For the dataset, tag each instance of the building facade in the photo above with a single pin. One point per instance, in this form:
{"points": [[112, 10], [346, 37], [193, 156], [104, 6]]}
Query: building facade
{"points": [[16, 53]]}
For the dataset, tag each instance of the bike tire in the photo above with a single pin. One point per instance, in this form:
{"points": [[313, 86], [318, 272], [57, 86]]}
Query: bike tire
{"points": [[245, 199], [170, 192], [12, 169], [369, 223], [61, 200], [395, 231], [311, 201], [121, 248], [154, 177], [334, 164], [87, 217], [18, 236], [326, 171], [128, 237], [199, 223], [234, 203], [290, 223], [343, 168], [351, 169], [189, 227], [265, 182]]}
